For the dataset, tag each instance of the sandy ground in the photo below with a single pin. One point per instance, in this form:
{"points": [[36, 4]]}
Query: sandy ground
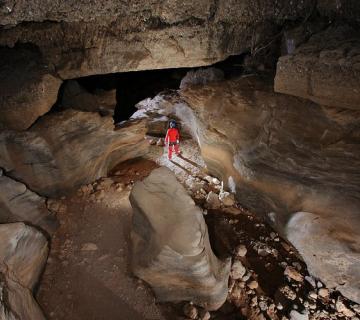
{"points": [[88, 272]]}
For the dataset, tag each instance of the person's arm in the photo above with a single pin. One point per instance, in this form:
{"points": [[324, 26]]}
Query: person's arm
{"points": [[177, 136], [167, 137]]}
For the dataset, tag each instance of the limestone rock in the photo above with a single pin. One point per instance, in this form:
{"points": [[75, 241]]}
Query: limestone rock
{"points": [[327, 252], [19, 204], [76, 97], [237, 270], [276, 163], [68, 149], [27, 89], [84, 38], [23, 253], [171, 249], [325, 70], [201, 77], [212, 200], [292, 273]]}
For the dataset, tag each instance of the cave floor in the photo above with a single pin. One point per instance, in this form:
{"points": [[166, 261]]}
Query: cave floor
{"points": [[88, 271]]}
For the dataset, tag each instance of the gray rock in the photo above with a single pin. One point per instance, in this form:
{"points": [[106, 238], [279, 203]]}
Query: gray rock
{"points": [[171, 249]]}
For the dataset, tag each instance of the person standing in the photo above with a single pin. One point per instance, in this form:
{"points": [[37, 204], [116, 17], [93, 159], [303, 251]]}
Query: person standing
{"points": [[172, 139]]}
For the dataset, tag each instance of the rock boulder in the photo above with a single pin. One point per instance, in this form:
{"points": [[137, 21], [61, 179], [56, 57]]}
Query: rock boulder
{"points": [[19, 204], [326, 69], [27, 88], [23, 253], [171, 249]]}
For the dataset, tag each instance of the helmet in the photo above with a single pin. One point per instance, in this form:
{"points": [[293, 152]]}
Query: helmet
{"points": [[172, 124]]}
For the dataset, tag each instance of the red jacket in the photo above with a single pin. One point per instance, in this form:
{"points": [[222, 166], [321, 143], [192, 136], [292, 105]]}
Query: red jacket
{"points": [[172, 135]]}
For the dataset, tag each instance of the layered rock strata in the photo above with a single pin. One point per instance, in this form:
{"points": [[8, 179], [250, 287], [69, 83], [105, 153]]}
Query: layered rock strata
{"points": [[171, 248], [78, 39], [326, 69]]}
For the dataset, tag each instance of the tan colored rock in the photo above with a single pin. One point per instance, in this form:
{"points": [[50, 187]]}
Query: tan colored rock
{"points": [[68, 149], [76, 97], [292, 273], [80, 39], [19, 204], [23, 253], [171, 248], [27, 89], [325, 70]]}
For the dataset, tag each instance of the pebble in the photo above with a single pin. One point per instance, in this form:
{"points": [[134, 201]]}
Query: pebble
{"points": [[288, 293], [241, 250], [324, 293], [340, 307], [237, 270], [204, 315], [295, 315], [311, 280], [263, 306], [190, 311], [292, 273], [253, 285], [313, 295]]}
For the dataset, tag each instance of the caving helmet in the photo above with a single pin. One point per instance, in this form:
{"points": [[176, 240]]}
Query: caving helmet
{"points": [[172, 123]]}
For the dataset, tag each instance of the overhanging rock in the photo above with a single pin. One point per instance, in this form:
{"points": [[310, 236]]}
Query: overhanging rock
{"points": [[171, 248]]}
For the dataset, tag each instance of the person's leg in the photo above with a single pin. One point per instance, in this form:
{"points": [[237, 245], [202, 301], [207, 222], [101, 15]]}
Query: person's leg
{"points": [[177, 150], [170, 151]]}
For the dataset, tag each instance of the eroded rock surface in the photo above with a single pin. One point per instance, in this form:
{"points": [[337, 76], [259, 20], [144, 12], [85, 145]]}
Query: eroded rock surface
{"points": [[254, 140], [84, 38], [333, 242], [27, 88], [326, 69], [19, 204], [67, 149], [76, 97], [171, 249], [23, 253]]}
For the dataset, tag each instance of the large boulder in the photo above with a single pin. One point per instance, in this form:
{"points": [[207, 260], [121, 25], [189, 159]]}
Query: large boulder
{"points": [[335, 243], [19, 204], [67, 149], [80, 38], [326, 69], [171, 249], [27, 89], [23, 253], [76, 97]]}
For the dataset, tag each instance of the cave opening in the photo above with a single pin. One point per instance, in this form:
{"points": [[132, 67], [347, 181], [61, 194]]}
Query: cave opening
{"points": [[118, 93]]}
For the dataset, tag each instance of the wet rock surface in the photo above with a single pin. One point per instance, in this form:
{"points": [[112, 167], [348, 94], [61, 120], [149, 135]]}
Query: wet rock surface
{"points": [[67, 149], [171, 249], [326, 69], [23, 253]]}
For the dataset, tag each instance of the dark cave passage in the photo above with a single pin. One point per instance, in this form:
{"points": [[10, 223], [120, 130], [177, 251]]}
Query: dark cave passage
{"points": [[131, 87]]}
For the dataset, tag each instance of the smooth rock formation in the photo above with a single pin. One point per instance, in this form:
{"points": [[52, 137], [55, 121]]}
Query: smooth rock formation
{"points": [[19, 204], [76, 97], [27, 88], [336, 243], [171, 249], [23, 253], [326, 69], [257, 143], [84, 38], [67, 149]]}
